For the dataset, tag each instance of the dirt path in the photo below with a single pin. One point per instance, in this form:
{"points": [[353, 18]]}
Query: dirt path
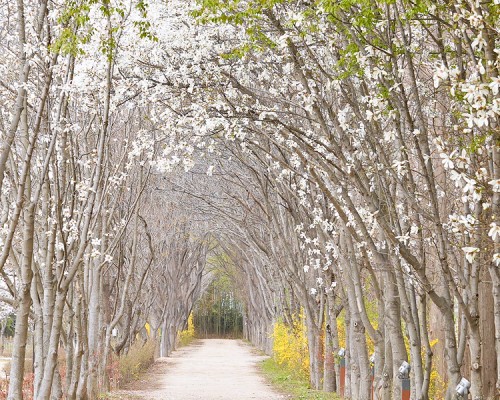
{"points": [[213, 369]]}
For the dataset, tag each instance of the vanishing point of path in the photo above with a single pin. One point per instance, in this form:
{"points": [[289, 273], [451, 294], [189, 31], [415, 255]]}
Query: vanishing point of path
{"points": [[212, 369]]}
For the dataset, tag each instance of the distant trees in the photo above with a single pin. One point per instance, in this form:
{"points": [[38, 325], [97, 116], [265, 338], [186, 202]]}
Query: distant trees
{"points": [[219, 311]]}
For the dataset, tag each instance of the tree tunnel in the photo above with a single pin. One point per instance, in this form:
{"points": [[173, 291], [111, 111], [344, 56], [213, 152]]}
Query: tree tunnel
{"points": [[319, 177]]}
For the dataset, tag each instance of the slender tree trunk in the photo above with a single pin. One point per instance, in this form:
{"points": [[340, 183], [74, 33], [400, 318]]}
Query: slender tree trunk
{"points": [[476, 389], [348, 356], [51, 363], [94, 308], [393, 326], [314, 343], [331, 342], [496, 309], [23, 310]]}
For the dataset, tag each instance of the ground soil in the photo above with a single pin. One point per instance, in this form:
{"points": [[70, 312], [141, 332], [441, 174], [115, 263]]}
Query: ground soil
{"points": [[209, 369]]}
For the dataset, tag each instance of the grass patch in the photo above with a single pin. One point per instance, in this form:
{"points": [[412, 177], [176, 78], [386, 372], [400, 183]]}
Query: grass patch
{"points": [[285, 380]]}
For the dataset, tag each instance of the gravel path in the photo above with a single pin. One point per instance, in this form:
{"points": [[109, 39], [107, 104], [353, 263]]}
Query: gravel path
{"points": [[212, 369]]}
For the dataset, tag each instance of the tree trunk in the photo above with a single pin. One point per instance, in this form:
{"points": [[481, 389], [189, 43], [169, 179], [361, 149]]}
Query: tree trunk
{"points": [[23, 310], [331, 344]]}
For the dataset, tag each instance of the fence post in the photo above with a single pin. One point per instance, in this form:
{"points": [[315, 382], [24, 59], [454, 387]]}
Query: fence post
{"points": [[372, 375], [405, 389], [404, 376], [342, 371]]}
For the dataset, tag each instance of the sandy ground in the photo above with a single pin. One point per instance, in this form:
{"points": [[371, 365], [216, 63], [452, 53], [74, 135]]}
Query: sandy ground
{"points": [[212, 369]]}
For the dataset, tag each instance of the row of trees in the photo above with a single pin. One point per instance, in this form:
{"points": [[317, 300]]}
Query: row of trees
{"points": [[341, 154], [90, 250], [359, 162]]}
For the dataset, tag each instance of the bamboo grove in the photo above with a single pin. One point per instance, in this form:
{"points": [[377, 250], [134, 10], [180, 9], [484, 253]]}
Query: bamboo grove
{"points": [[338, 160]]}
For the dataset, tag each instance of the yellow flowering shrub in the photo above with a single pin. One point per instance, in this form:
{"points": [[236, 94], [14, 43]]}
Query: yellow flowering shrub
{"points": [[341, 329], [290, 345], [187, 335], [437, 385]]}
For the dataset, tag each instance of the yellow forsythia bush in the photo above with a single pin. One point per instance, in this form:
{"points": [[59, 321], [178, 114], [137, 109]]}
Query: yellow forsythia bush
{"points": [[290, 345], [186, 336], [437, 387]]}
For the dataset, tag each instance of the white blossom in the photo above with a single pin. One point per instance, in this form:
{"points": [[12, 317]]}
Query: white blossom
{"points": [[494, 231], [470, 253]]}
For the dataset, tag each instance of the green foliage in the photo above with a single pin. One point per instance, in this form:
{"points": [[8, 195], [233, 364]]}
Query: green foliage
{"points": [[348, 63], [233, 11], [250, 14], [364, 13], [8, 325], [476, 142], [77, 29], [144, 26], [287, 381], [219, 311], [357, 21]]}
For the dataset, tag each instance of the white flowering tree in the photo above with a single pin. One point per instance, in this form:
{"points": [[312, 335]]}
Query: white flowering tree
{"points": [[379, 102], [346, 151]]}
